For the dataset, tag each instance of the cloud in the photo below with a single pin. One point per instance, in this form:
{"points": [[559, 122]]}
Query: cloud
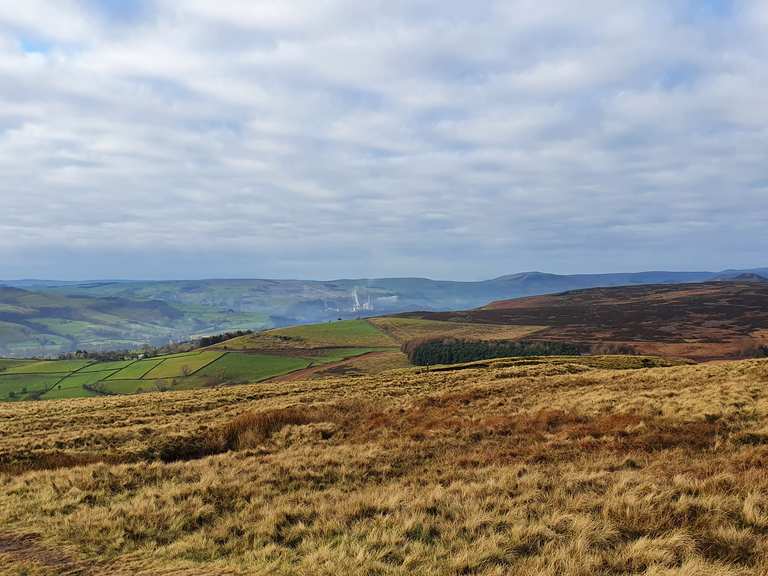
{"points": [[337, 138]]}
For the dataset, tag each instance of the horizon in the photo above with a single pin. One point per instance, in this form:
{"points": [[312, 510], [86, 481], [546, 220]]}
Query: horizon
{"points": [[155, 139], [753, 269]]}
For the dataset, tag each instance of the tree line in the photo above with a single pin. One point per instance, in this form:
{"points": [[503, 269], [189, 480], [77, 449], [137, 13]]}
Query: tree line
{"points": [[454, 351]]}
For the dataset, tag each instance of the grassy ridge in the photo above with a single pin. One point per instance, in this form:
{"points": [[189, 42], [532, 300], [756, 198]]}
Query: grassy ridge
{"points": [[405, 329], [345, 333]]}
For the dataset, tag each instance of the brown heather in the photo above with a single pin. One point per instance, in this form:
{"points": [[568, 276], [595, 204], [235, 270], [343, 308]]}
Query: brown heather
{"points": [[558, 468]]}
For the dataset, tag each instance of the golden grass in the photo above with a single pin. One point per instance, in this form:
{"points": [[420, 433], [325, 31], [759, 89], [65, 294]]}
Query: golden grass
{"points": [[405, 329], [503, 467]]}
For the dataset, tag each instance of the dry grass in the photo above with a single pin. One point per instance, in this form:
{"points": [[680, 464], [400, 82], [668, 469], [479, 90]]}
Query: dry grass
{"points": [[511, 468], [405, 329]]}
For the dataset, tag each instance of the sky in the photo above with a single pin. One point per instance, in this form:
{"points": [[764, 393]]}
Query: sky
{"points": [[337, 138]]}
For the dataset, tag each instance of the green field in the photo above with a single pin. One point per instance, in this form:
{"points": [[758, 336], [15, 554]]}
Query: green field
{"points": [[273, 353], [80, 379], [235, 366], [24, 386], [59, 394], [11, 363], [339, 354], [177, 366], [136, 370], [48, 366], [71, 379], [341, 333]]}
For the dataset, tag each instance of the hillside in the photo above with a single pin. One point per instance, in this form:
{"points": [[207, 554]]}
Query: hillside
{"points": [[352, 346], [48, 323], [724, 319], [194, 307], [567, 467]]}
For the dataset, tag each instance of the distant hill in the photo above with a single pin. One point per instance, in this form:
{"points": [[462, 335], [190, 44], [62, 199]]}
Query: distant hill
{"points": [[719, 319], [50, 323], [195, 307], [742, 277]]}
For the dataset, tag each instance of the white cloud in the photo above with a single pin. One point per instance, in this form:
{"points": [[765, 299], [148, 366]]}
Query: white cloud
{"points": [[446, 138]]}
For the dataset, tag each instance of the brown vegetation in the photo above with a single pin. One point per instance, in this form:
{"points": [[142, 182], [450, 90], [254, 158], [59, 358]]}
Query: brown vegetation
{"points": [[564, 466], [706, 321], [403, 330]]}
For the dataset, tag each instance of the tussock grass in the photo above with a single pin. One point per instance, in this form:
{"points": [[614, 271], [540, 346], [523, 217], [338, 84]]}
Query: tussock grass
{"points": [[488, 470]]}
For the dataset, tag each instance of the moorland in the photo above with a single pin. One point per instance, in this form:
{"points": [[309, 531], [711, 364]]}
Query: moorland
{"points": [[701, 321]]}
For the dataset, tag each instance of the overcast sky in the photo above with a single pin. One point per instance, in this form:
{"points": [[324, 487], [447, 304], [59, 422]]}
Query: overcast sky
{"points": [[332, 138]]}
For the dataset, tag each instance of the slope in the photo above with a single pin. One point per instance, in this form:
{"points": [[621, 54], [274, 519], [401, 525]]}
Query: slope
{"points": [[699, 321]]}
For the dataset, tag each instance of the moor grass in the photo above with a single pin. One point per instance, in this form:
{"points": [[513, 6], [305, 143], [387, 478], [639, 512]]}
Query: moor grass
{"points": [[404, 329], [568, 466]]}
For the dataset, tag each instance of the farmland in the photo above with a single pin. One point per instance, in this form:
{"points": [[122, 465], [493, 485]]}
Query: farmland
{"points": [[51, 322], [345, 333], [233, 362], [538, 466]]}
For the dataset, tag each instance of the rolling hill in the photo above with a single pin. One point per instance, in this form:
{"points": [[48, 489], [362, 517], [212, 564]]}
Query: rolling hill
{"points": [[47, 323], [703, 321], [99, 315]]}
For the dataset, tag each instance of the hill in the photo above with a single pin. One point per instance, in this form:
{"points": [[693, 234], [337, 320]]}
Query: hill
{"points": [[209, 306], [49, 323], [139, 312], [701, 321], [354, 346], [537, 467]]}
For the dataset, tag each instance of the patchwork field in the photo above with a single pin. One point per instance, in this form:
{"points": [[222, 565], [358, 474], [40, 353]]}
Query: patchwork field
{"points": [[232, 362], [404, 329], [563, 466]]}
